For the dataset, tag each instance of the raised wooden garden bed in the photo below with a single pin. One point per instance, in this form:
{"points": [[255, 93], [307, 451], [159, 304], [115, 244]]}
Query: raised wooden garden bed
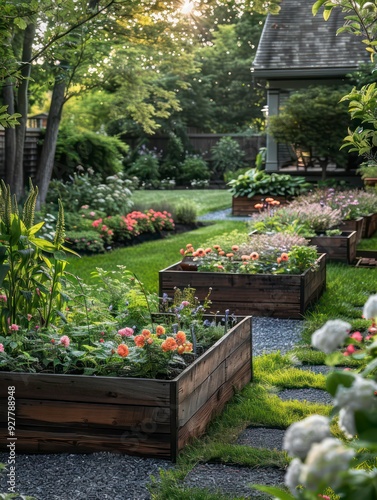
{"points": [[340, 248], [280, 296], [244, 206], [370, 225], [154, 418], [354, 225]]}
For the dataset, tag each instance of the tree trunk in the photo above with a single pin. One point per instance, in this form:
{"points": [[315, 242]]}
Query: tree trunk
{"points": [[18, 181], [9, 134], [323, 162], [46, 160]]}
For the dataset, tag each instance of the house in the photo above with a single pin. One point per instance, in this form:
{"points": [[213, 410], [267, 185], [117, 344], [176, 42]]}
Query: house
{"points": [[297, 50]]}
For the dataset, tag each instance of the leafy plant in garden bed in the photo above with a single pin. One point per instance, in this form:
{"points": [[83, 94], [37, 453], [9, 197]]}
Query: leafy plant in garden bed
{"points": [[255, 182]]}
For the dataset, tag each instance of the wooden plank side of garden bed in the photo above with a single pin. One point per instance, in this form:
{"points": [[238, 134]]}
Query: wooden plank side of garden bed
{"points": [[127, 391], [340, 248], [354, 225], [206, 365], [70, 440], [34, 412], [313, 284], [370, 225], [230, 365], [244, 206], [213, 407]]}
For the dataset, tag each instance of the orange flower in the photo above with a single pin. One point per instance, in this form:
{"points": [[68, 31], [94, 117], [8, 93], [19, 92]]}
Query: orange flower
{"points": [[200, 252], [160, 330], [180, 338], [208, 250], [275, 203], [139, 340], [235, 248], [269, 200], [245, 257], [284, 257], [180, 349], [169, 344], [150, 341], [123, 350], [188, 347], [254, 256], [219, 266], [278, 260], [230, 255], [216, 247], [182, 251], [258, 206], [189, 245], [221, 252], [195, 254], [146, 333]]}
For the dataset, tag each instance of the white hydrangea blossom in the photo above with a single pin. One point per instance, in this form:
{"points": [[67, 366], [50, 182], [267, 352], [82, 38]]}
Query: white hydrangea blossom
{"points": [[347, 422], [300, 436], [324, 463], [360, 396], [292, 476], [331, 335], [370, 308]]}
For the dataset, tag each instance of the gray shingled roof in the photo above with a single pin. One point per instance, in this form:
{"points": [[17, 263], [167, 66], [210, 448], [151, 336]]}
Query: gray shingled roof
{"points": [[296, 43]]}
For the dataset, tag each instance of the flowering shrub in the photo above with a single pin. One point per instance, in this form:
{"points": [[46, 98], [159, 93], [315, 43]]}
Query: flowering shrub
{"points": [[258, 256], [351, 203], [321, 461]]}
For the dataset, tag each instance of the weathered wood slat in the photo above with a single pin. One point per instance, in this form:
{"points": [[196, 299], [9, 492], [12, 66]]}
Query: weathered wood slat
{"points": [[213, 406], [70, 440], [370, 225], [244, 206], [354, 225], [54, 413], [341, 248], [83, 388]]}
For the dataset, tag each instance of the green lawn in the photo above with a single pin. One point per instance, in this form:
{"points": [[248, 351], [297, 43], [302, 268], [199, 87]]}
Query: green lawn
{"points": [[147, 259], [206, 200]]}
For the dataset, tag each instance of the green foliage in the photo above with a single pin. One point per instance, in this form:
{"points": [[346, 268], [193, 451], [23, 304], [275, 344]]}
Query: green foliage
{"points": [[32, 283], [7, 120], [255, 182], [88, 241], [146, 169], [111, 196], [101, 153], [313, 120], [186, 212], [226, 155], [194, 168]]}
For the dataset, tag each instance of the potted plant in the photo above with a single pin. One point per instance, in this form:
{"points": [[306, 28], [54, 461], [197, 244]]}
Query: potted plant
{"points": [[95, 371], [254, 186], [270, 275]]}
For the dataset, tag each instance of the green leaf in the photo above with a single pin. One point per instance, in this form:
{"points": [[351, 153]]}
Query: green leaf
{"points": [[45, 245], [339, 378], [4, 268], [18, 21], [272, 490]]}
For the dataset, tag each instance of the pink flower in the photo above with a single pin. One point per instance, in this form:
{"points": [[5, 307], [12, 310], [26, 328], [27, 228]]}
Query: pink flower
{"points": [[126, 332], [1, 348], [29, 316], [65, 340], [92, 214], [3, 298], [85, 207], [14, 327], [185, 303], [357, 336]]}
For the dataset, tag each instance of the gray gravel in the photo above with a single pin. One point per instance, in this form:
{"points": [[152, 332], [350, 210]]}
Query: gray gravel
{"points": [[103, 476], [222, 215], [310, 395], [262, 437]]}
